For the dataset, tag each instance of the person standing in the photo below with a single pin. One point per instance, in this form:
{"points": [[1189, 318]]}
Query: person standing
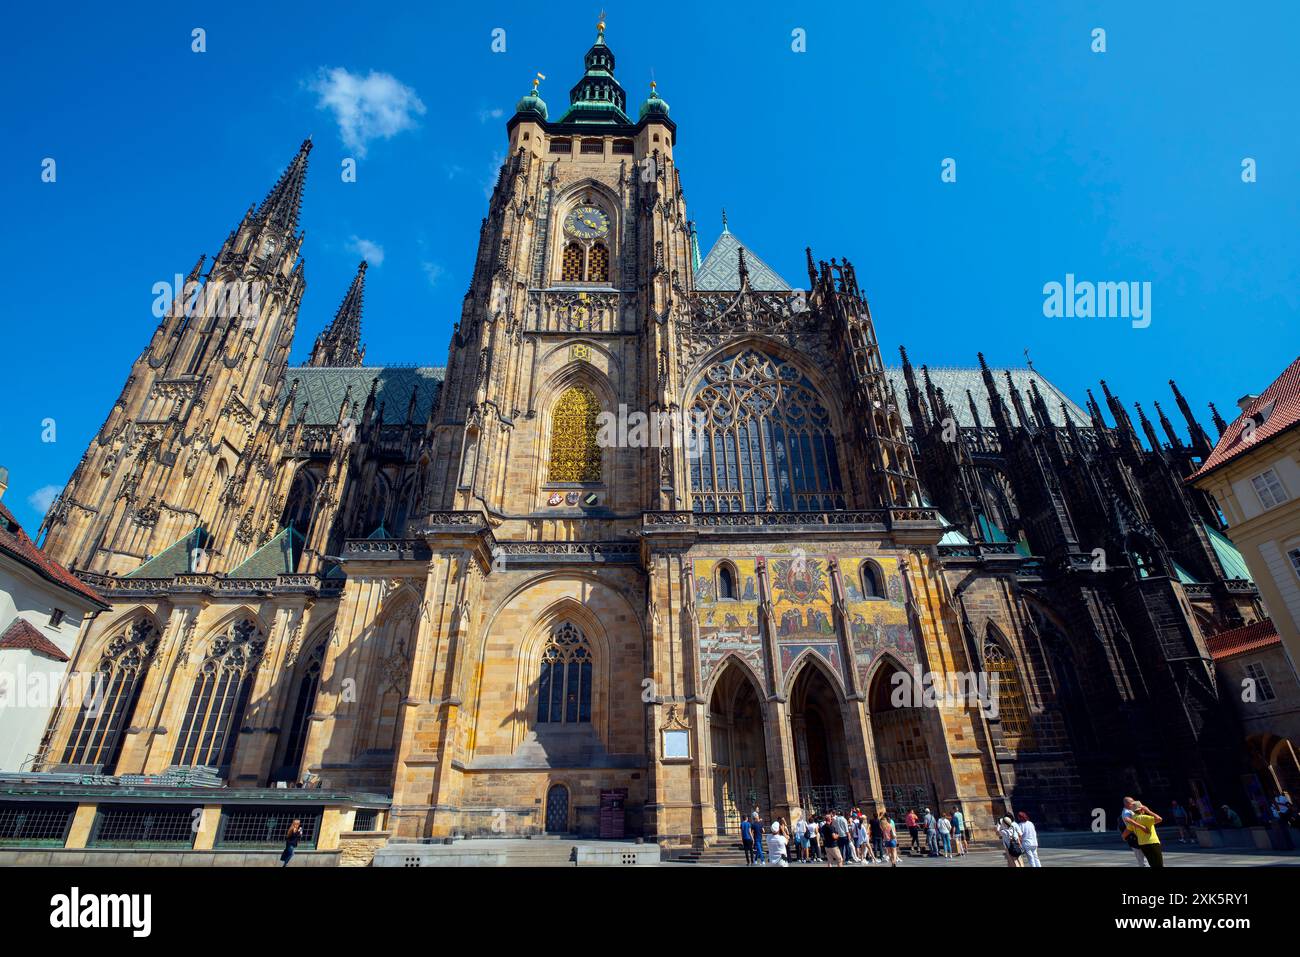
{"points": [[815, 852], [911, 821], [889, 836], [1129, 834], [756, 823], [776, 846], [1028, 839], [958, 834], [863, 846], [1145, 820], [747, 840], [801, 839], [291, 839], [1010, 835], [842, 838], [830, 843], [944, 827], [931, 834], [877, 838], [1179, 814]]}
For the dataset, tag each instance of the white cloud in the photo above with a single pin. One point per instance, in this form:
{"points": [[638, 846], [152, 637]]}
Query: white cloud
{"points": [[44, 497], [371, 252], [432, 271], [485, 115], [375, 106], [494, 170]]}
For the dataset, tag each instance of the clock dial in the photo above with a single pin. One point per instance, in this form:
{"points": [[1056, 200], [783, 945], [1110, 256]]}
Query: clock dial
{"points": [[586, 222]]}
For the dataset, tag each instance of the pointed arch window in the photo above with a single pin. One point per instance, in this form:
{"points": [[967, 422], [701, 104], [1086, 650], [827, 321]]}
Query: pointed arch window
{"points": [[761, 440], [304, 705], [575, 453], [98, 731], [219, 697], [598, 263], [564, 680], [1013, 713], [726, 582], [571, 263], [872, 581]]}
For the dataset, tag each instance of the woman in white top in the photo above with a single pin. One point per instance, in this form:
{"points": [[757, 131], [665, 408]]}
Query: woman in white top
{"points": [[776, 843], [1028, 839]]}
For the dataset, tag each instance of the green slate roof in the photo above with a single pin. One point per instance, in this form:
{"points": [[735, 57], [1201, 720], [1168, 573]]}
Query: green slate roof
{"points": [[720, 270], [175, 559], [322, 390], [279, 556], [956, 381], [1234, 566]]}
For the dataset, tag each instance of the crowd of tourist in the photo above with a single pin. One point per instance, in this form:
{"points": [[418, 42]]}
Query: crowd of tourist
{"points": [[839, 838]]}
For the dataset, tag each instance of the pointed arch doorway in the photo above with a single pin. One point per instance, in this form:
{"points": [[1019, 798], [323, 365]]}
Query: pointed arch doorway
{"points": [[904, 753], [821, 755], [739, 760]]}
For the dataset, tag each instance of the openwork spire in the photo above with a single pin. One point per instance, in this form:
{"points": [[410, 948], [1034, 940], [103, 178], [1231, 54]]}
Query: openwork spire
{"points": [[282, 204], [340, 343]]}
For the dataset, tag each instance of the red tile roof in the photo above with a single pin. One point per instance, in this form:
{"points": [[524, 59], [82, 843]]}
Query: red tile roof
{"points": [[21, 634], [15, 543], [1237, 641], [1283, 395]]}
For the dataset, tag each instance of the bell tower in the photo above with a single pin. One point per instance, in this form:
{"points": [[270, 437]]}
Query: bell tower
{"points": [[173, 459], [583, 258]]}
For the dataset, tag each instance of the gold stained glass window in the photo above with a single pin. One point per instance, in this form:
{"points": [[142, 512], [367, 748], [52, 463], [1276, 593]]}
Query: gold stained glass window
{"points": [[598, 264], [1010, 700], [575, 455], [571, 263]]}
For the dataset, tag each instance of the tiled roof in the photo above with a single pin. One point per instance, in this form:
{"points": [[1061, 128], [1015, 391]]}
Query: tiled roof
{"points": [[175, 559], [955, 382], [279, 556], [15, 543], [22, 634], [322, 389], [1237, 641], [1280, 407], [721, 268]]}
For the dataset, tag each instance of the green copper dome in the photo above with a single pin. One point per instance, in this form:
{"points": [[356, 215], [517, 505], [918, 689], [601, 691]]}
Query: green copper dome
{"points": [[655, 104], [532, 103]]}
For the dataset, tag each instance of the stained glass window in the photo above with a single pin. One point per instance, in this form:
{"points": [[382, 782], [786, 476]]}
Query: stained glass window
{"points": [[1010, 696], [96, 737], [575, 454], [571, 263], [219, 698], [598, 264], [564, 683], [761, 440]]}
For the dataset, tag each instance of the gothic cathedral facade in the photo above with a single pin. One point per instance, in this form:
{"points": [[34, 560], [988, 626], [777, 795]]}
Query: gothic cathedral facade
{"points": [[665, 537]]}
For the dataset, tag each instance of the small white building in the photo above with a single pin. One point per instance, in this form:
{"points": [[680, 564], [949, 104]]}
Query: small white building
{"points": [[42, 607]]}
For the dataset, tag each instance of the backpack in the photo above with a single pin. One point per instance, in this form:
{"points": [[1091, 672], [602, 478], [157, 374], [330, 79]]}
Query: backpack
{"points": [[1013, 844]]}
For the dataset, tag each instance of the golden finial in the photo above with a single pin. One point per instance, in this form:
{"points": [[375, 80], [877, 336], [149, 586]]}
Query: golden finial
{"points": [[600, 24], [536, 80]]}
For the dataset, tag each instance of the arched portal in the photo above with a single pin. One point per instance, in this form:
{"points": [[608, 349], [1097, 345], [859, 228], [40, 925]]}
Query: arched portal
{"points": [[903, 754], [557, 810], [821, 756], [739, 750]]}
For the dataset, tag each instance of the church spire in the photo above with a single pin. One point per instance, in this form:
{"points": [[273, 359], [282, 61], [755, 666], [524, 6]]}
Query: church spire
{"points": [[340, 343], [282, 204]]}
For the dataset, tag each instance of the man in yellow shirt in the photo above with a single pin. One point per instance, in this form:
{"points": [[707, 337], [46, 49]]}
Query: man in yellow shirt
{"points": [[1143, 823]]}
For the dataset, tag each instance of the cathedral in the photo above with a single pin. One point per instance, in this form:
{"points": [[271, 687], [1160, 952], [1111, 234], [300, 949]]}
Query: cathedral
{"points": [[453, 588]]}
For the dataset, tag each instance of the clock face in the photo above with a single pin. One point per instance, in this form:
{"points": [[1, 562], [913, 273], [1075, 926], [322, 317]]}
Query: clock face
{"points": [[586, 222]]}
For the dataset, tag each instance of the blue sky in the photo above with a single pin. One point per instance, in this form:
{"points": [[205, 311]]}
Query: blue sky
{"points": [[1117, 166]]}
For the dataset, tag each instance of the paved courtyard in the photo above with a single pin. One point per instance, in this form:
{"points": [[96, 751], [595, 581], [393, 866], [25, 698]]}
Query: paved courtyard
{"points": [[1091, 855]]}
